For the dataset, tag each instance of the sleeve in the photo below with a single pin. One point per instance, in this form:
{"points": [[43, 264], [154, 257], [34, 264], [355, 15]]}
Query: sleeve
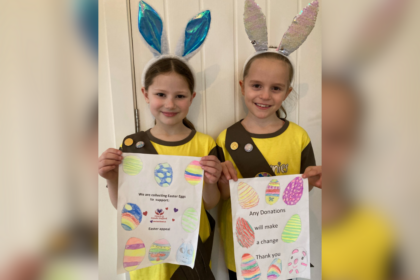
{"points": [[220, 144], [307, 157]]}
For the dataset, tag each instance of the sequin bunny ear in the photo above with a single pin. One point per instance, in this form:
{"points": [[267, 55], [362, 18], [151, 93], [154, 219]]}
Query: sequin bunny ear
{"points": [[152, 30], [300, 29], [194, 36], [255, 26]]}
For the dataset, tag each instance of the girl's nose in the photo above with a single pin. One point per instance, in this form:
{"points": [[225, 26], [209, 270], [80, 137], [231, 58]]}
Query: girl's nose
{"points": [[169, 103], [265, 94]]}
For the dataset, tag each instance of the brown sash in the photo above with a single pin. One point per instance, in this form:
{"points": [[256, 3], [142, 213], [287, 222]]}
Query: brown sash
{"points": [[249, 163], [201, 269]]}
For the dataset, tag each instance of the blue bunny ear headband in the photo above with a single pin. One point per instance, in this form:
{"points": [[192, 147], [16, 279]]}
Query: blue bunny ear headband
{"points": [[153, 32]]}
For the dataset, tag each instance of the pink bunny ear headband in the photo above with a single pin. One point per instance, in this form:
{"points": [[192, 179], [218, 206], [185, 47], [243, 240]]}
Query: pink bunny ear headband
{"points": [[296, 34], [153, 32]]}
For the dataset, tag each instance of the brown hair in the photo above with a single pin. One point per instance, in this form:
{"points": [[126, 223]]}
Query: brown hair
{"points": [[272, 55], [168, 65]]}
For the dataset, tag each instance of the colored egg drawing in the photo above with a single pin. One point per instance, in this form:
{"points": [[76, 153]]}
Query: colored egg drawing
{"points": [[263, 174], [274, 270], [159, 251], [131, 216], [163, 174], [272, 192], [298, 261], [193, 173], [134, 253], [185, 253], [293, 191], [190, 220], [247, 196], [132, 165], [292, 229], [244, 233], [249, 267]]}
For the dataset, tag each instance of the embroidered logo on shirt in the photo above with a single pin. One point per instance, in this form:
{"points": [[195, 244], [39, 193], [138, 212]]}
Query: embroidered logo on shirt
{"points": [[280, 168]]}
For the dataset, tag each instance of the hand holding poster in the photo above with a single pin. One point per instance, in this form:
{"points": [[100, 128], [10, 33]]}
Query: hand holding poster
{"points": [[159, 207], [270, 217]]}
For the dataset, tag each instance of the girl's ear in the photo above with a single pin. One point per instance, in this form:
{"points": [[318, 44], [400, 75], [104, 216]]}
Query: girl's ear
{"points": [[241, 83], [288, 92], [193, 96], [146, 95]]}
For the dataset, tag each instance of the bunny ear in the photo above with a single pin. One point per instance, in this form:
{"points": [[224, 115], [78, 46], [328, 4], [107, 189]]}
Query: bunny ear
{"points": [[300, 29], [151, 28], [255, 25], [194, 36]]}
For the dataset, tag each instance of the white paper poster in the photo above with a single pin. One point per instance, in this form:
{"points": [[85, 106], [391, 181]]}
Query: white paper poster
{"points": [[270, 220], [159, 207]]}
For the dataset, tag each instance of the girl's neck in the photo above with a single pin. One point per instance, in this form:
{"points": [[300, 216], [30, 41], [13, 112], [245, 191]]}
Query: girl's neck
{"points": [[171, 133], [267, 125]]}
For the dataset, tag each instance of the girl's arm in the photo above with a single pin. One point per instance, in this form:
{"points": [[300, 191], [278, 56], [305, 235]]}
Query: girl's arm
{"points": [[212, 170], [228, 172], [108, 169]]}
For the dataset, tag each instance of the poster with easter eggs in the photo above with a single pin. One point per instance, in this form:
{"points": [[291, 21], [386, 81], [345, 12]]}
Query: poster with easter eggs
{"points": [[159, 210], [270, 220]]}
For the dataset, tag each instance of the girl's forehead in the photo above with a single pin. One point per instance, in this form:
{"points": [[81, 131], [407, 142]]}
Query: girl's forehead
{"points": [[269, 69], [170, 80]]}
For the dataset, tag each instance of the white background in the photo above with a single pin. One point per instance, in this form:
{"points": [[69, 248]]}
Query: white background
{"points": [[218, 103]]}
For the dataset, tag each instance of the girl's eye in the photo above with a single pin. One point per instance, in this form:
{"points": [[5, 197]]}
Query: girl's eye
{"points": [[160, 94], [257, 86], [276, 89], [180, 96]]}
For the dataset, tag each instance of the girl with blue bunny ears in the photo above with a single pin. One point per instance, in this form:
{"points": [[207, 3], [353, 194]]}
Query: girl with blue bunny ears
{"points": [[168, 87]]}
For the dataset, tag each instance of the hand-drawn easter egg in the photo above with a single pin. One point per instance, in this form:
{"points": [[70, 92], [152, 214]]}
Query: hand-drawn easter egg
{"points": [[293, 191], [193, 173], [274, 270], [263, 174], [244, 233], [131, 216], [134, 253], [185, 253], [249, 267], [163, 174], [272, 192], [190, 219], [132, 165], [292, 229], [159, 251], [247, 196], [298, 261]]}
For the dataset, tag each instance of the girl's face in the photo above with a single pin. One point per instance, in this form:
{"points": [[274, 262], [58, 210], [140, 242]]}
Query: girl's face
{"points": [[169, 98], [266, 86]]}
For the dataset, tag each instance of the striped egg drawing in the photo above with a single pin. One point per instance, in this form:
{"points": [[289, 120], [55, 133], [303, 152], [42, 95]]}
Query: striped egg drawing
{"points": [[293, 192], [249, 267], [292, 229], [132, 165], [131, 216], [244, 233], [190, 220], [247, 196], [272, 192], [133, 254], [274, 270], [193, 173], [163, 174]]}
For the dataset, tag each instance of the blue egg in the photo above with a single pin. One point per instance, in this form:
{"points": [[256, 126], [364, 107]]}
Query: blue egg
{"points": [[185, 253]]}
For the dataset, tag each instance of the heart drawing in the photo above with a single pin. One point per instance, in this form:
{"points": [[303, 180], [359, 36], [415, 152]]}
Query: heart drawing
{"points": [[145, 213], [175, 210]]}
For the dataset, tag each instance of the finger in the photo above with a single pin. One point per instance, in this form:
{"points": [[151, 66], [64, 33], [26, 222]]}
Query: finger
{"points": [[232, 172], [114, 151], [106, 169], [309, 172], [111, 156], [210, 158], [208, 163], [108, 162], [211, 177], [211, 170], [226, 172]]}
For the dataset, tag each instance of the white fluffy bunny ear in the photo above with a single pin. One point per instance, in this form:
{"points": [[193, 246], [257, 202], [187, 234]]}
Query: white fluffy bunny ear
{"points": [[300, 29], [255, 25], [195, 35], [152, 30]]}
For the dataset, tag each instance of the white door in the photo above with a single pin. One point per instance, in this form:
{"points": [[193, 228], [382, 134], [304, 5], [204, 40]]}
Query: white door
{"points": [[218, 104]]}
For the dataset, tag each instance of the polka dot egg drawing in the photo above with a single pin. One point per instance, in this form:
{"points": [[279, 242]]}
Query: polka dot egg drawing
{"points": [[297, 262], [163, 174]]}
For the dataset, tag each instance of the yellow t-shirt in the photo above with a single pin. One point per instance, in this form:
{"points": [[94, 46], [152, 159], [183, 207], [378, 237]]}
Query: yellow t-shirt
{"points": [[195, 145], [287, 151], [359, 247]]}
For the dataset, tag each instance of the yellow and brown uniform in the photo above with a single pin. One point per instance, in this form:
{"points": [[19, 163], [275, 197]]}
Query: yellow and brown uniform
{"points": [[284, 152], [195, 145]]}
